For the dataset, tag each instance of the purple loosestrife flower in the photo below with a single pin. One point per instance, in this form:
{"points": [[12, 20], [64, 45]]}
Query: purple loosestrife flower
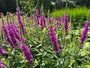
{"points": [[20, 21], [37, 16], [12, 35], [6, 30], [17, 34], [54, 39], [66, 24], [84, 34], [42, 21], [2, 52], [27, 54], [15, 27], [59, 20]]}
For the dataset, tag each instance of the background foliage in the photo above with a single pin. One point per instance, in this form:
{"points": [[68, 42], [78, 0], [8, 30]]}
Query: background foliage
{"points": [[77, 15], [10, 5]]}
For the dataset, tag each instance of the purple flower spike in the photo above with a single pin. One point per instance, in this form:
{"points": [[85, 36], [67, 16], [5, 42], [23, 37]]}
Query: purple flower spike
{"points": [[42, 20], [59, 20], [12, 35], [66, 24], [37, 16], [20, 21], [84, 34], [27, 54], [54, 39]]}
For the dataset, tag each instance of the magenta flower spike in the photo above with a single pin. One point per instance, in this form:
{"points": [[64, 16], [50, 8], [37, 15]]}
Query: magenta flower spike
{"points": [[27, 54], [37, 16], [13, 36], [84, 34], [59, 20], [42, 20], [54, 39], [66, 24], [6, 30], [20, 21]]}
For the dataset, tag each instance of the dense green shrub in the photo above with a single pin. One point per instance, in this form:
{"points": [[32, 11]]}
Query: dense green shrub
{"points": [[78, 15]]}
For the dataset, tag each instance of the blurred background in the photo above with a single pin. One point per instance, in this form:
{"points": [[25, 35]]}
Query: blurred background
{"points": [[10, 5], [77, 9]]}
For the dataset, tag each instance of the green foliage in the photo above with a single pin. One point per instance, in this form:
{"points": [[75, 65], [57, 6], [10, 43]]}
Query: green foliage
{"points": [[40, 45], [27, 6], [46, 4], [72, 3], [77, 15]]}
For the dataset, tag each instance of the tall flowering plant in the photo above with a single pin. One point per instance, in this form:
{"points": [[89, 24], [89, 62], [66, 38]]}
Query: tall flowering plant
{"points": [[66, 24], [84, 34], [37, 16], [42, 21], [27, 54], [5, 29], [54, 39], [20, 20], [59, 20], [12, 35]]}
